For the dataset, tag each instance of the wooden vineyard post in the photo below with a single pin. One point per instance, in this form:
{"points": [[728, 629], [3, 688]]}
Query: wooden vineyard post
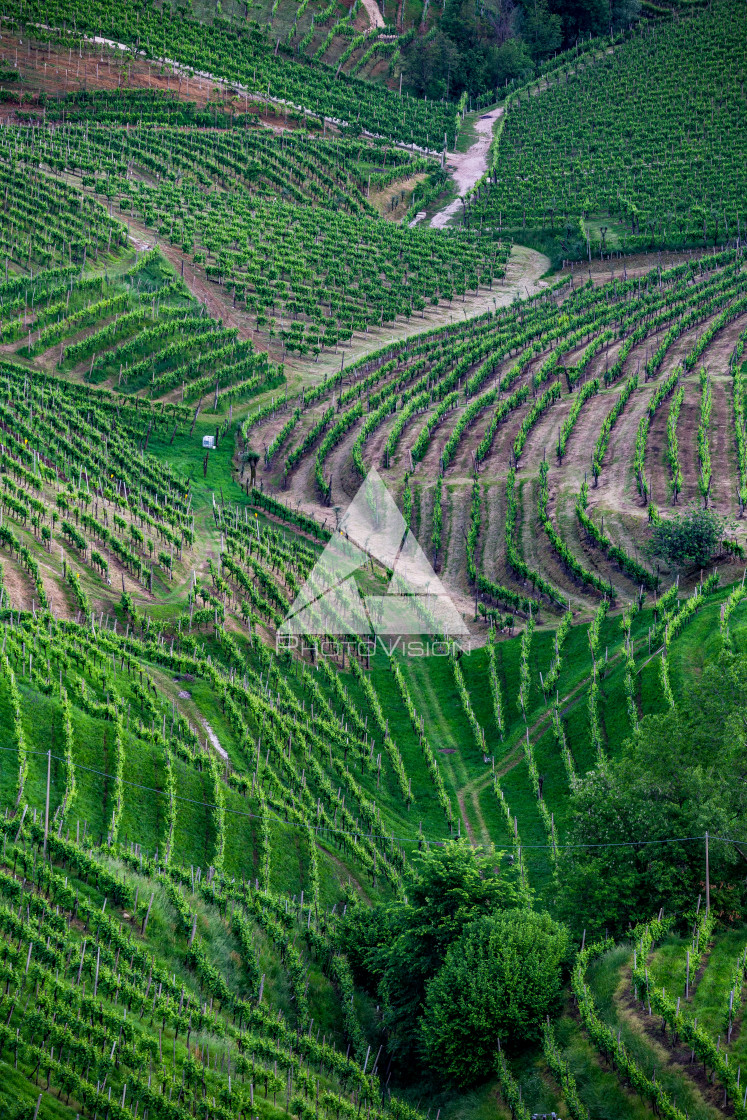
{"points": [[687, 977], [46, 807], [708, 878], [147, 915]]}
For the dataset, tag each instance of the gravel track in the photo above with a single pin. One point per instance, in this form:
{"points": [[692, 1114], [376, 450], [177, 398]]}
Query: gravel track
{"points": [[467, 168]]}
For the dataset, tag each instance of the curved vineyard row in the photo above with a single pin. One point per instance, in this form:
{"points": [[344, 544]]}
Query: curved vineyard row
{"points": [[472, 400]]}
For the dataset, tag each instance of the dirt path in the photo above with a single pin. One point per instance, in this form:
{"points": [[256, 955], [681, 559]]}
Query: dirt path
{"points": [[524, 270], [725, 481], [377, 19], [468, 167], [687, 437], [669, 1050], [472, 791], [213, 297], [17, 585], [214, 740]]}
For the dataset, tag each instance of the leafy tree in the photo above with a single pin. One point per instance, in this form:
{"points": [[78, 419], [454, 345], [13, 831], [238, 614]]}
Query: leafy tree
{"points": [[581, 17], [682, 773], [398, 949], [474, 49], [623, 12], [541, 31], [252, 458], [479, 47], [361, 935], [501, 978], [510, 60], [435, 68], [690, 538]]}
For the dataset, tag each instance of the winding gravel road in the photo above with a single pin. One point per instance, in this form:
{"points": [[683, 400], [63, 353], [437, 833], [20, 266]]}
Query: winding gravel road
{"points": [[377, 19], [468, 167]]}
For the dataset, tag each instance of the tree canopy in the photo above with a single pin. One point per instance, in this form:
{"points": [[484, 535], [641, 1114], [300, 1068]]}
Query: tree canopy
{"points": [[499, 980], [690, 538], [682, 773], [398, 949], [479, 47]]}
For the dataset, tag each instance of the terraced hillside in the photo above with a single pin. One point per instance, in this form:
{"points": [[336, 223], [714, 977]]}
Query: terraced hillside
{"points": [[506, 878], [546, 427], [247, 60], [144, 680], [619, 146]]}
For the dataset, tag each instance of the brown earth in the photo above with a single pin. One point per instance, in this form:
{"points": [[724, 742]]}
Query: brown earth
{"points": [[51, 69], [616, 496]]}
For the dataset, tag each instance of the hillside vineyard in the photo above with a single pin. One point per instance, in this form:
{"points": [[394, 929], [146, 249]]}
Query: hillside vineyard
{"points": [[628, 148], [373, 470]]}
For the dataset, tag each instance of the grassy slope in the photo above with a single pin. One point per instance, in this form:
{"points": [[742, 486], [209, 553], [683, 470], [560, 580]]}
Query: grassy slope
{"points": [[433, 690], [468, 780], [168, 944]]}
